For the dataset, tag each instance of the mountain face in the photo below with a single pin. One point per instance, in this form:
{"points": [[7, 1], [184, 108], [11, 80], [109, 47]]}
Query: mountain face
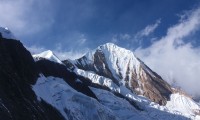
{"points": [[108, 83], [124, 68]]}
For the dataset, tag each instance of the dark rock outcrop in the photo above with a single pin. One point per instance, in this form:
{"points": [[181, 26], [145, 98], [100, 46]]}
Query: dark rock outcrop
{"points": [[17, 73], [69, 65]]}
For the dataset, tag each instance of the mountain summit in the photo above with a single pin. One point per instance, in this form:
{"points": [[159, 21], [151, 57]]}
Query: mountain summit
{"points": [[125, 69]]}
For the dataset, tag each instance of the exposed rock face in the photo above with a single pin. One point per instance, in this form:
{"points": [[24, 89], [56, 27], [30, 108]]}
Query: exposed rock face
{"points": [[69, 65], [124, 68], [99, 66], [152, 85], [17, 73]]}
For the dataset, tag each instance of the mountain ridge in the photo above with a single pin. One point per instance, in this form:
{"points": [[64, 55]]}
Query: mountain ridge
{"points": [[49, 89], [93, 63]]}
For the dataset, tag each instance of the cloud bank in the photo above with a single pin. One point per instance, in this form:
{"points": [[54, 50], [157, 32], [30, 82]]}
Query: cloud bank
{"points": [[136, 39], [25, 16], [175, 60]]}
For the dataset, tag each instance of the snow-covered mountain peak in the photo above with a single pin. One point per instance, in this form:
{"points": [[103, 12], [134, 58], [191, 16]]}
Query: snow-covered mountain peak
{"points": [[108, 46], [118, 59], [6, 33], [49, 55], [125, 69], [111, 47], [113, 55]]}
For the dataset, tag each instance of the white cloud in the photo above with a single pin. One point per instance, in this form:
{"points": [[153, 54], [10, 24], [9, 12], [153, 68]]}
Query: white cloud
{"points": [[35, 49], [25, 16], [148, 29], [125, 36], [116, 37], [72, 55], [82, 39], [138, 37], [175, 60]]}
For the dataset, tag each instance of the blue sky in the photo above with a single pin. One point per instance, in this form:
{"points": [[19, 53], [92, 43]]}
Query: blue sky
{"points": [[68, 24], [164, 34], [91, 23]]}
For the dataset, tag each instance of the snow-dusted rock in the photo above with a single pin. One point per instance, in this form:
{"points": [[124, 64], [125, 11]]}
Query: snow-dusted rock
{"points": [[6, 33]]}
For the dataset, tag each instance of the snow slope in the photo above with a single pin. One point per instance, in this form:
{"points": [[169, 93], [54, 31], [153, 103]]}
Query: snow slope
{"points": [[121, 108], [183, 105], [72, 105], [49, 55], [125, 111], [101, 80], [97, 79], [6, 33], [177, 105]]}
